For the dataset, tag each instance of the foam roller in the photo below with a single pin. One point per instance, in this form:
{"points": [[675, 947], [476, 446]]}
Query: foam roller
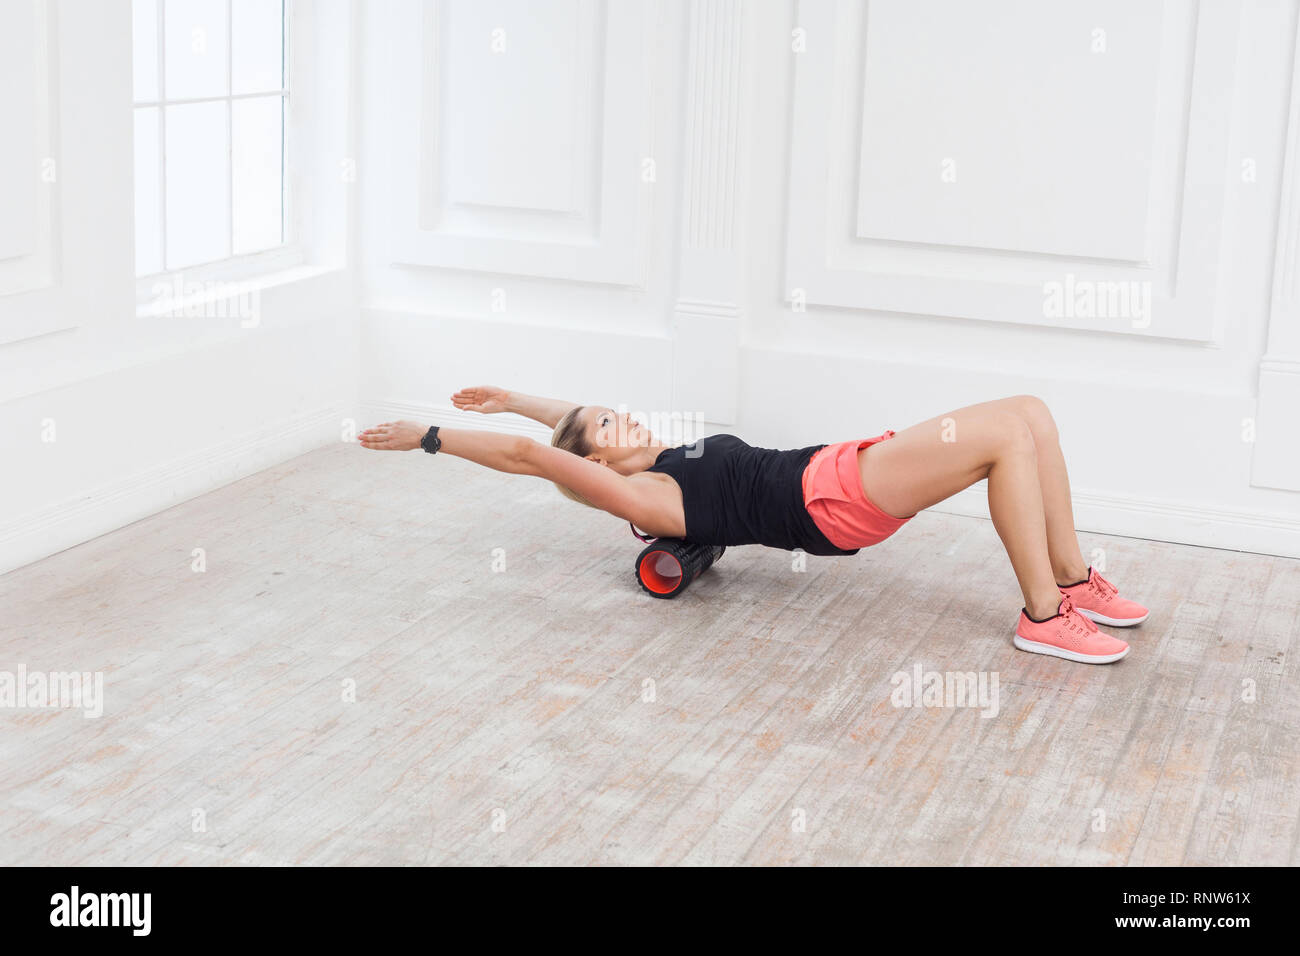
{"points": [[667, 567]]}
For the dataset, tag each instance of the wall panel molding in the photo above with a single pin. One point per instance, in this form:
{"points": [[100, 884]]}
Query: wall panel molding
{"points": [[833, 261], [707, 313], [1275, 462], [29, 117], [600, 232], [713, 124]]}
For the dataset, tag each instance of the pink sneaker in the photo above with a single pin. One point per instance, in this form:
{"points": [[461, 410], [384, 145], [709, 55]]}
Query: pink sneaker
{"points": [[1098, 599], [1068, 634]]}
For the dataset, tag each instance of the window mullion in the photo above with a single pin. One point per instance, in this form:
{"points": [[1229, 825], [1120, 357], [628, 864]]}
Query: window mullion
{"points": [[163, 103]]}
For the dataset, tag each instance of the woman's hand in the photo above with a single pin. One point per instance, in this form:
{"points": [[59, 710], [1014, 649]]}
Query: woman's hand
{"points": [[393, 436], [482, 398]]}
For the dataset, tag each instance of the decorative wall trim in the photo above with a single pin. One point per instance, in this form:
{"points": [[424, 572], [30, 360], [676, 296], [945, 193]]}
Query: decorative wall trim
{"points": [[1287, 262], [1281, 365], [713, 130], [1154, 519], [706, 315], [603, 238], [34, 272], [1276, 459], [722, 310], [828, 264]]}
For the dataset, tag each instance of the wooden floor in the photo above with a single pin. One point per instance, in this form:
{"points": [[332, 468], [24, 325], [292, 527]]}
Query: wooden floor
{"points": [[551, 713]]}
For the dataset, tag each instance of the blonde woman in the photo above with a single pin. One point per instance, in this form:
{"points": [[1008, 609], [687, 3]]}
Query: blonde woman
{"points": [[826, 499]]}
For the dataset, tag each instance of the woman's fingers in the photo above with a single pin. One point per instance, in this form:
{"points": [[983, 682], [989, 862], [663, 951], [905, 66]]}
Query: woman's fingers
{"points": [[393, 436], [473, 399], [376, 437], [468, 400]]}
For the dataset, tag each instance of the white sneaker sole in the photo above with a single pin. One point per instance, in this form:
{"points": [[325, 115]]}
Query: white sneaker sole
{"points": [[1035, 647], [1113, 621]]}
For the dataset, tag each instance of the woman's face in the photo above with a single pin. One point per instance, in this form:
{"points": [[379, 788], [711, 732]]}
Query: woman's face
{"points": [[615, 436]]}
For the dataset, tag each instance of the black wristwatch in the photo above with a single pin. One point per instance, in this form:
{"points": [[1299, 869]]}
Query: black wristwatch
{"points": [[431, 442]]}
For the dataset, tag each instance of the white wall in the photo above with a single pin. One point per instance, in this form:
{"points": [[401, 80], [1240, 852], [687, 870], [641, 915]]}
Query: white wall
{"points": [[145, 411], [857, 234], [665, 205]]}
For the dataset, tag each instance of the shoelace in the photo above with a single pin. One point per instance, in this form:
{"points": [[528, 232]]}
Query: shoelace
{"points": [[1073, 620], [1103, 588]]}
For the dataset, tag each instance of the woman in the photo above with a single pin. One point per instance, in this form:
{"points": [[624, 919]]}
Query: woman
{"points": [[825, 499]]}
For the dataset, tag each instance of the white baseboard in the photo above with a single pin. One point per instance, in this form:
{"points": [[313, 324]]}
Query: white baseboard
{"points": [[87, 515], [1157, 520], [1095, 512]]}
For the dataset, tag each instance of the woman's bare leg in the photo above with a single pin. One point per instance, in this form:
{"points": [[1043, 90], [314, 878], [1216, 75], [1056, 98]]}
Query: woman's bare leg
{"points": [[1062, 539], [927, 463]]}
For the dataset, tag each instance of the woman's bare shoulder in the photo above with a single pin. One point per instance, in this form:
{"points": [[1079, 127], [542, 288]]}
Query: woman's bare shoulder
{"points": [[664, 513]]}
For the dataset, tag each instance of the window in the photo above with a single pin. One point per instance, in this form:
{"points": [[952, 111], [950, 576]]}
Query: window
{"points": [[211, 99]]}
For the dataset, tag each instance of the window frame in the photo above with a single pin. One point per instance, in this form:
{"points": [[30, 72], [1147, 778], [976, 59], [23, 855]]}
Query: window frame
{"points": [[242, 267]]}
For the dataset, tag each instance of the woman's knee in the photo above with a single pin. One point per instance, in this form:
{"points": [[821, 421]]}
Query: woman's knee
{"points": [[1012, 435], [1035, 413]]}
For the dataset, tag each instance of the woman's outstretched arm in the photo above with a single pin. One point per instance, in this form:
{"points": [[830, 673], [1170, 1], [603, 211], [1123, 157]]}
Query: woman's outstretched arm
{"points": [[490, 449], [489, 399], [604, 488]]}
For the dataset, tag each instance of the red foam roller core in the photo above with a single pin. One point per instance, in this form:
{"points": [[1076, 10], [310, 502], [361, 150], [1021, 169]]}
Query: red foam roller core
{"points": [[661, 572]]}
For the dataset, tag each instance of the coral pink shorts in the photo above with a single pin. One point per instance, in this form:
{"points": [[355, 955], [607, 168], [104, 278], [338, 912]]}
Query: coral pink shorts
{"points": [[833, 495]]}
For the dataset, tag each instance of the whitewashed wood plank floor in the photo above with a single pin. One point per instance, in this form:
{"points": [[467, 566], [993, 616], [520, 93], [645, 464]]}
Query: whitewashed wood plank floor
{"points": [[550, 713]]}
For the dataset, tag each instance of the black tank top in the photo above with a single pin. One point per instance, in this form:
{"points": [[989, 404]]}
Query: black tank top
{"points": [[734, 493]]}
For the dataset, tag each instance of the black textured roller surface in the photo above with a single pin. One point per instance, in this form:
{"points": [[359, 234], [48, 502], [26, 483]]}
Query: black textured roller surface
{"points": [[666, 567]]}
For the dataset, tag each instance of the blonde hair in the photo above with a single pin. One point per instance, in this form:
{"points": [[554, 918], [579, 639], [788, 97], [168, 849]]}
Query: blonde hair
{"points": [[571, 435]]}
